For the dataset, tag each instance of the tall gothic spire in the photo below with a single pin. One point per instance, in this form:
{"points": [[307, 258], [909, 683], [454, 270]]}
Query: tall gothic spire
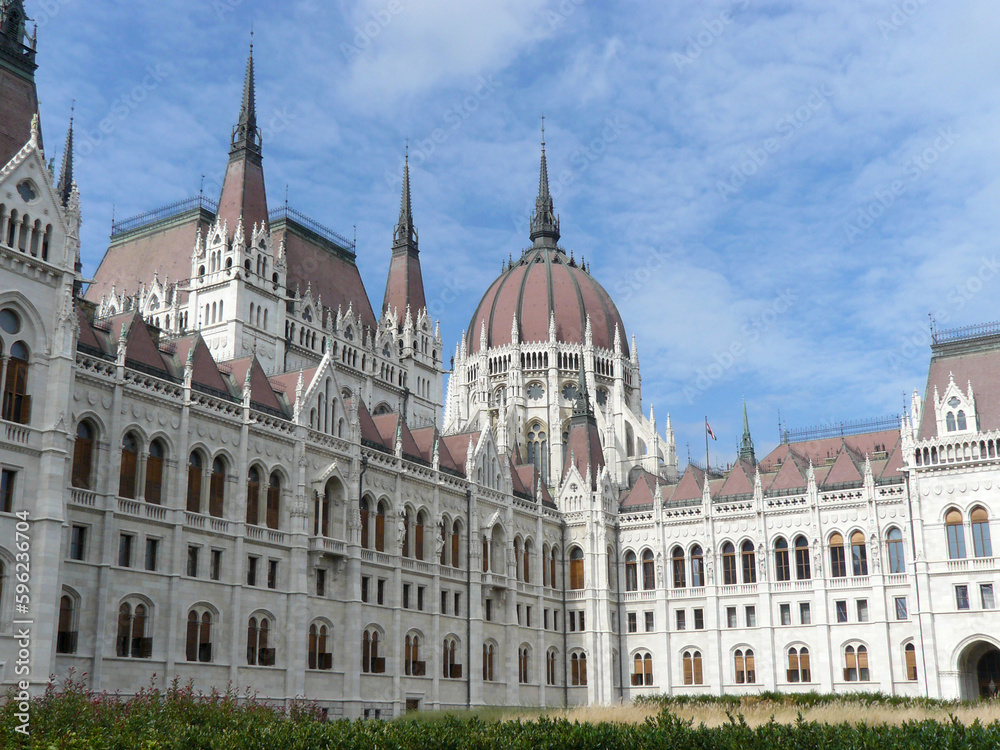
{"points": [[406, 233], [246, 134], [544, 222], [19, 101], [746, 444], [65, 185], [404, 287]]}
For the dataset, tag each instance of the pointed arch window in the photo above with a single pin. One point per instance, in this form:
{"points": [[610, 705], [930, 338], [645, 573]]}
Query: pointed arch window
{"points": [[259, 652], [648, 571], [132, 641], [728, 564], [405, 551], [550, 667], [910, 657], [749, 558], [194, 482], [950, 421], [523, 665], [16, 401], [578, 669], [963, 423], [83, 456], [253, 496], [217, 488], [450, 659], [273, 512], [154, 473], [982, 545], [693, 674], [803, 570], [677, 560], [856, 664], [798, 665], [576, 578], [489, 656], [371, 662], [319, 653], [456, 536], [380, 527], [642, 669], [365, 513], [744, 663], [859, 554], [782, 570], [129, 473], [697, 567], [412, 665], [538, 449], [838, 559], [897, 555], [956, 534], [418, 535], [66, 633], [199, 636], [631, 572]]}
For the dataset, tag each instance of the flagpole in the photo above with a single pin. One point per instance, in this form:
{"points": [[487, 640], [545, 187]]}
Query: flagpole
{"points": [[706, 448]]}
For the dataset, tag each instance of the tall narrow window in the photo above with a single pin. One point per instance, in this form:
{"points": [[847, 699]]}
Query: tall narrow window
{"points": [[910, 656], [697, 567], [782, 570], [199, 637], [578, 669], [677, 558], [728, 564], [749, 562], [838, 560], [489, 654], [576, 569], [365, 513], [154, 473], [273, 514], [253, 496], [982, 545], [956, 534], [217, 486], [66, 634], [16, 401], [859, 554], [744, 664], [692, 668], [456, 536], [538, 450], [802, 568], [798, 665], [648, 571], [8, 478], [418, 536], [194, 482], [405, 550], [83, 456], [631, 572], [897, 555], [380, 527], [129, 474]]}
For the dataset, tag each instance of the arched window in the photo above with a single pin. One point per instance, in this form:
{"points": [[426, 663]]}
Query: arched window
{"points": [[856, 664], [631, 572], [489, 655], [333, 493], [956, 534], [418, 535], [371, 662], [380, 527], [456, 536], [859, 554], [648, 571], [405, 549], [749, 562], [66, 634], [199, 636], [194, 482], [365, 513], [578, 668], [697, 567], [798, 665], [728, 564], [782, 570], [803, 570], [576, 568], [950, 421], [319, 649], [154, 473], [132, 641], [550, 667], [253, 496], [526, 562], [523, 664], [744, 662], [692, 668], [963, 423], [217, 487], [83, 456], [982, 545], [538, 449], [897, 557], [838, 561], [258, 651], [552, 567], [16, 401], [411, 657], [910, 658], [642, 669], [129, 474], [677, 560], [450, 654], [273, 515]]}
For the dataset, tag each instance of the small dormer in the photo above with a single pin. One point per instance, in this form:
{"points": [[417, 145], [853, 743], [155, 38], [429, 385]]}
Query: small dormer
{"points": [[956, 411]]}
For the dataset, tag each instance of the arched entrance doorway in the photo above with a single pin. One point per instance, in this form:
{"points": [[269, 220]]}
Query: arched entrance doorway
{"points": [[979, 666]]}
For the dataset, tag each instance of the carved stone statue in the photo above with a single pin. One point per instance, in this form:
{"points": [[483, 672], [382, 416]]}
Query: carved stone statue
{"points": [[659, 570], [873, 546], [709, 565], [761, 563], [401, 528]]}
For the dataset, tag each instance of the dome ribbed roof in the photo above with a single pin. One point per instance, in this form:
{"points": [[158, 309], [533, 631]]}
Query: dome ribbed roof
{"points": [[542, 282]]}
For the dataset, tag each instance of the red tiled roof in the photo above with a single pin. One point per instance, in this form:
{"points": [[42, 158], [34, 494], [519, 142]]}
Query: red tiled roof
{"points": [[819, 451], [459, 446], [243, 194], [691, 485], [541, 283], [790, 476], [843, 471], [583, 448], [206, 372], [288, 382], [369, 431], [404, 285], [261, 392], [387, 426], [642, 492], [738, 482], [977, 367]]}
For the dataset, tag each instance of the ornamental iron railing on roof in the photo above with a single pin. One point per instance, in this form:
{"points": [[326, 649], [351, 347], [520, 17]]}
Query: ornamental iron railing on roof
{"points": [[284, 213], [152, 217], [965, 334], [840, 429]]}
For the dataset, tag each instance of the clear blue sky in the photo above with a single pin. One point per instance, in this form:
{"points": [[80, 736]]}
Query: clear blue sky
{"points": [[776, 193]]}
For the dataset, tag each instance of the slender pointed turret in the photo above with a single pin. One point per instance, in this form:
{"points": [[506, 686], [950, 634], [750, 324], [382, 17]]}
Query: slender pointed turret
{"points": [[404, 287], [544, 222], [65, 186], [583, 444], [19, 102], [746, 444], [243, 195]]}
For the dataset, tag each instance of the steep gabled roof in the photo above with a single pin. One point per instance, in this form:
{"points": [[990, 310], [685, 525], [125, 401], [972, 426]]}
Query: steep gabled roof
{"points": [[206, 372], [894, 466], [459, 446], [791, 476], [388, 425], [642, 492], [261, 392], [844, 470], [369, 432], [738, 482], [691, 486], [140, 349]]}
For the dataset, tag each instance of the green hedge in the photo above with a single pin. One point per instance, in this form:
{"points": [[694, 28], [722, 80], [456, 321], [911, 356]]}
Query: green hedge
{"points": [[178, 719]]}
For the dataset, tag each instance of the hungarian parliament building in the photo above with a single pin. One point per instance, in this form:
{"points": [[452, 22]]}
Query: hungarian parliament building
{"points": [[221, 463]]}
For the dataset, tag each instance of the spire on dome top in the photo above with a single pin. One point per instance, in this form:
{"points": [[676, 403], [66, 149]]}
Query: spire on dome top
{"points": [[406, 233], [246, 134], [544, 222], [65, 186], [581, 406], [746, 444], [404, 287]]}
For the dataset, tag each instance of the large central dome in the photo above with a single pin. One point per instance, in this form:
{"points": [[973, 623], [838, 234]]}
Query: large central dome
{"points": [[544, 281]]}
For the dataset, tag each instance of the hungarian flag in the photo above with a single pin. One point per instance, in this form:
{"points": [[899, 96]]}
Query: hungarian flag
{"points": [[708, 428]]}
